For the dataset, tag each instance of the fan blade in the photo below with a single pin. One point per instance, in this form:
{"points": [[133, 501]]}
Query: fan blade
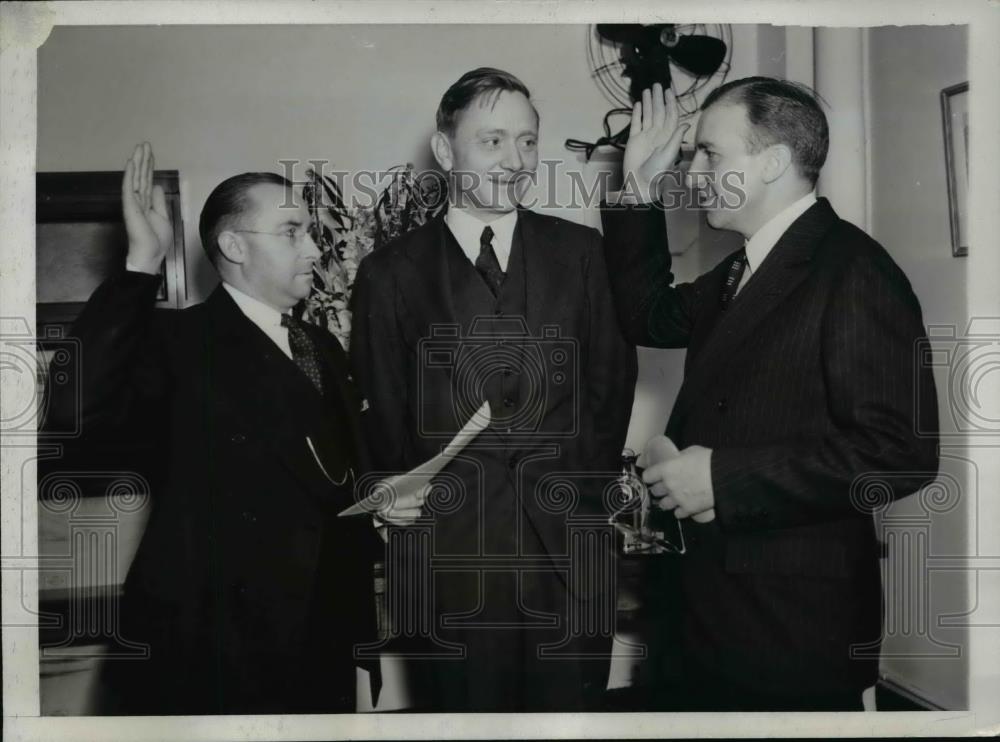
{"points": [[644, 70], [699, 55], [622, 33]]}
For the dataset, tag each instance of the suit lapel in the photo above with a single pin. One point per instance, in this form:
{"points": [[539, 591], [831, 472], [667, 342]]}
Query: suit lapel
{"points": [[255, 361], [348, 398], [546, 271], [786, 266], [424, 292]]}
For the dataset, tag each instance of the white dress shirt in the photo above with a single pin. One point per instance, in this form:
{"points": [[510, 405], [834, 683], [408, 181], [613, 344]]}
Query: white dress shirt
{"points": [[468, 229], [765, 238], [267, 318]]}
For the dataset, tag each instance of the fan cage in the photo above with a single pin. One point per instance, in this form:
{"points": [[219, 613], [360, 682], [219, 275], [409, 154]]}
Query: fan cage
{"points": [[607, 67]]}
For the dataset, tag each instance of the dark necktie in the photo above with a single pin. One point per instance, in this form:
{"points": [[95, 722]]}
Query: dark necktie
{"points": [[487, 263], [303, 350], [732, 283]]}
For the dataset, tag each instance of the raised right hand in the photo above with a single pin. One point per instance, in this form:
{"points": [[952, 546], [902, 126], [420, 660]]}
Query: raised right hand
{"points": [[654, 141], [144, 206]]}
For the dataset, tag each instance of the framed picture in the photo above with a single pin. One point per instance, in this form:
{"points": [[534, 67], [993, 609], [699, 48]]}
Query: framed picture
{"points": [[955, 117], [80, 241]]}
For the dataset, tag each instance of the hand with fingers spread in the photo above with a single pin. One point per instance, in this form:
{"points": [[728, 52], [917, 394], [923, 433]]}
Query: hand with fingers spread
{"points": [[654, 141], [147, 223]]}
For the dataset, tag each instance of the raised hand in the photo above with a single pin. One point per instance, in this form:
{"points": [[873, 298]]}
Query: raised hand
{"points": [[654, 141], [144, 206]]}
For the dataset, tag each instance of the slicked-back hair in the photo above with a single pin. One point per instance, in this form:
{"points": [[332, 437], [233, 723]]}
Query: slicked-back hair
{"points": [[227, 203], [481, 81], [780, 112]]}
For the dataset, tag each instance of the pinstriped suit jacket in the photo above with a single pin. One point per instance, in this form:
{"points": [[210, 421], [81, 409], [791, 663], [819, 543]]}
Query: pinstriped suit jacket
{"points": [[809, 391]]}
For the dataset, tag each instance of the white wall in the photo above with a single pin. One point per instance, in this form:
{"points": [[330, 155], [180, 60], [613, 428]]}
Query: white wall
{"points": [[909, 67]]}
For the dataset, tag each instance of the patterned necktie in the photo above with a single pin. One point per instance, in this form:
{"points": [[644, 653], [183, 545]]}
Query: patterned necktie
{"points": [[303, 350], [732, 283], [487, 263]]}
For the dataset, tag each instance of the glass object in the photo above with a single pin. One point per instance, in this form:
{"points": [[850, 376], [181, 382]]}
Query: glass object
{"points": [[645, 528]]}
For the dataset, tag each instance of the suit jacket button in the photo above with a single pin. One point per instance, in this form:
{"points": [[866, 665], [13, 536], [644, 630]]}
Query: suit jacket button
{"points": [[238, 438], [721, 404], [508, 402]]}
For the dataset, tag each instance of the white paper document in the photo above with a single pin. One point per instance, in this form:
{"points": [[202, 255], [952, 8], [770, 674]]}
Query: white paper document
{"points": [[413, 480]]}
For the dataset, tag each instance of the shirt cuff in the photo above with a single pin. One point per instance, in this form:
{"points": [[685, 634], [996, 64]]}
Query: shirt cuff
{"points": [[133, 269]]}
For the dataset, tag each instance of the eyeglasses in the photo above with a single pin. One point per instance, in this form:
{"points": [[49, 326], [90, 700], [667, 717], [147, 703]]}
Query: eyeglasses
{"points": [[295, 235]]}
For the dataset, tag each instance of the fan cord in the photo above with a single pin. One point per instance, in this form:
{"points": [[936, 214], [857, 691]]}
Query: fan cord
{"points": [[617, 140]]}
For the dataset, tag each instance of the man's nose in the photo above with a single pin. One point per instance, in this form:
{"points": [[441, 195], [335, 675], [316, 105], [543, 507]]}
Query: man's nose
{"points": [[512, 159], [309, 247], [695, 178]]}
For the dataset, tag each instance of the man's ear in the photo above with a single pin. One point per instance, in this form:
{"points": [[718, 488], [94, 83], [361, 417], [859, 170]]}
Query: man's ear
{"points": [[231, 248], [779, 159], [441, 147]]}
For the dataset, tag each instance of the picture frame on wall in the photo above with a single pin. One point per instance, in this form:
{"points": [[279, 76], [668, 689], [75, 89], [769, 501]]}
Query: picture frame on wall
{"points": [[955, 119], [80, 241]]}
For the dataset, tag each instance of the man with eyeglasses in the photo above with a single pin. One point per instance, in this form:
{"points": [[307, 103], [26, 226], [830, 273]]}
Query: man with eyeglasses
{"points": [[247, 590]]}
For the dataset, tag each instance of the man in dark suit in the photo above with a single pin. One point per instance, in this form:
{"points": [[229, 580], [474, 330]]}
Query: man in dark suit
{"points": [[493, 302], [248, 592], [799, 400]]}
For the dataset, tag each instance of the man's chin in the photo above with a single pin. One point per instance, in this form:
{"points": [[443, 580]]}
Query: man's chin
{"points": [[303, 286], [716, 218]]}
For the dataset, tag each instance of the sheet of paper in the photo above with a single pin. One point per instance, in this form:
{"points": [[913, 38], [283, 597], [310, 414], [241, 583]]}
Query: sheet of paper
{"points": [[413, 480]]}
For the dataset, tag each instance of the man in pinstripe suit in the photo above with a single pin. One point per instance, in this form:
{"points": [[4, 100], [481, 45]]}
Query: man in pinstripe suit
{"points": [[802, 392]]}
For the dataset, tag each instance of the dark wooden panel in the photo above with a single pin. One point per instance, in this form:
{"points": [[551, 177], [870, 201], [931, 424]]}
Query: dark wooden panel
{"points": [[80, 240]]}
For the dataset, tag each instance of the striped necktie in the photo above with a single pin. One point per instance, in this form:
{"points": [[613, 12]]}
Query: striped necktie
{"points": [[732, 282]]}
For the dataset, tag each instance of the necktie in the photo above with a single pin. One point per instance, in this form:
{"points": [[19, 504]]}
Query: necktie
{"points": [[732, 282], [303, 350], [487, 263]]}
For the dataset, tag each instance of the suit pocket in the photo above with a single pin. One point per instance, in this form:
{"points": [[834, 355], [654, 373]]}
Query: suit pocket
{"points": [[789, 556]]}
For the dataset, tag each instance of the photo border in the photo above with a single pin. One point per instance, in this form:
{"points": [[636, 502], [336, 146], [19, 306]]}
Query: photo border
{"points": [[24, 28]]}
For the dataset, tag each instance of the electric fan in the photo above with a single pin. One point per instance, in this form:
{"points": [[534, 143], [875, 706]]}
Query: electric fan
{"points": [[627, 58]]}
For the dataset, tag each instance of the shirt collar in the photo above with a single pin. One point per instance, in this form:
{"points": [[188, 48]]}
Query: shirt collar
{"points": [[765, 238], [261, 314], [468, 229]]}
